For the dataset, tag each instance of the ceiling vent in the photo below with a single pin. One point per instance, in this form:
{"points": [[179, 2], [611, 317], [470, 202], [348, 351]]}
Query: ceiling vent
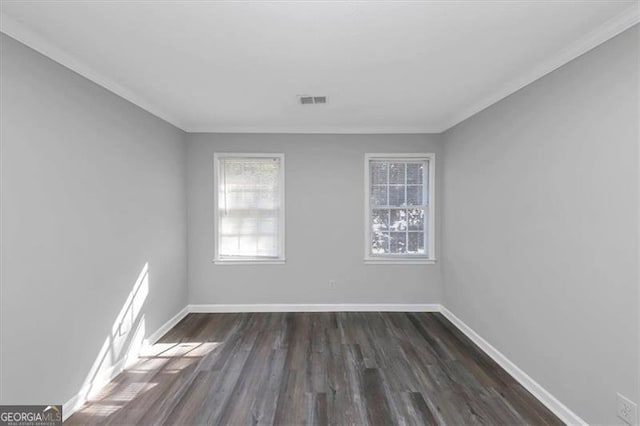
{"points": [[311, 100]]}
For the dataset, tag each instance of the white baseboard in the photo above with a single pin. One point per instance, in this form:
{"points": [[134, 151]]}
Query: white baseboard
{"points": [[153, 337], [544, 396], [334, 307]]}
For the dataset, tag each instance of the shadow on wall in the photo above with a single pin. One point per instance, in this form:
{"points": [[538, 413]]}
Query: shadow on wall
{"points": [[122, 346]]}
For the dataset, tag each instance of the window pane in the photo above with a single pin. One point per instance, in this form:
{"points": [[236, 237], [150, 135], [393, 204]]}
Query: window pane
{"points": [[379, 242], [229, 244], [246, 244], [379, 195], [378, 172], [414, 195], [396, 195], [398, 220], [236, 226], [398, 242], [380, 220], [414, 173], [416, 243], [267, 225], [415, 219], [266, 245], [397, 173]]}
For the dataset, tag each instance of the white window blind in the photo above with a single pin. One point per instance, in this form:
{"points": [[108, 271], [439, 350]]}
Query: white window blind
{"points": [[399, 207], [250, 207]]}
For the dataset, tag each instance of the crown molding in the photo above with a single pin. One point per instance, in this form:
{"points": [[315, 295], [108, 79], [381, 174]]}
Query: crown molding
{"points": [[315, 307], [316, 131], [24, 35], [625, 20]]}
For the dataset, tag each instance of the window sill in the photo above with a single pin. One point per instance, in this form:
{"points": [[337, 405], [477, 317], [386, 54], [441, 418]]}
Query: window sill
{"points": [[249, 262], [405, 261]]}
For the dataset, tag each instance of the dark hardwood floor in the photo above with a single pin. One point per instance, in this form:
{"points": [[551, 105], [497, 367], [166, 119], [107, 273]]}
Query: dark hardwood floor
{"points": [[314, 368]]}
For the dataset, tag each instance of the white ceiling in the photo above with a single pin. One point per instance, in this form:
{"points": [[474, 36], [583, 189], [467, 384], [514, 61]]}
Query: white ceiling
{"points": [[385, 66]]}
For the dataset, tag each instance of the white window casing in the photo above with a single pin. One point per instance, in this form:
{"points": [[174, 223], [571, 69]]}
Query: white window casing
{"points": [[399, 208], [249, 207]]}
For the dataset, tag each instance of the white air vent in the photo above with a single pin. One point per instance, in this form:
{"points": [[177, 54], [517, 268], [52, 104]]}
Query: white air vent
{"points": [[310, 100]]}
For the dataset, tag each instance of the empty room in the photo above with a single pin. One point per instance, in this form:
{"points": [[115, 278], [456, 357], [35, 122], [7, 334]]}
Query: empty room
{"points": [[320, 212]]}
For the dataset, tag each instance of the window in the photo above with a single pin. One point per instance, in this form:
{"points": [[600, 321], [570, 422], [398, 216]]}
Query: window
{"points": [[399, 209], [249, 208]]}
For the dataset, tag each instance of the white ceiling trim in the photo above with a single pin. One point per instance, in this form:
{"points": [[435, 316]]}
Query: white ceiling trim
{"points": [[606, 31], [18, 31], [341, 130], [610, 29]]}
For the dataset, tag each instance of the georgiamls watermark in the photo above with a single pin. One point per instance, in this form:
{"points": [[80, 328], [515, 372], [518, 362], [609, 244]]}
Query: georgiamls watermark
{"points": [[30, 415]]}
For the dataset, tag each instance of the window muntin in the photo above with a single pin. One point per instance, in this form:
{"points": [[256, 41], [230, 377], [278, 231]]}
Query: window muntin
{"points": [[249, 207], [399, 206]]}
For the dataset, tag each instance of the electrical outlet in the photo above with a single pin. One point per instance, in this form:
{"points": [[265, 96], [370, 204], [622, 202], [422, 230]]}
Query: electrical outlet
{"points": [[627, 410]]}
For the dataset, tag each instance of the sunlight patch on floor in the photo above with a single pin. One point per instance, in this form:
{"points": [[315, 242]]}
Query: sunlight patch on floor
{"points": [[101, 410], [131, 391]]}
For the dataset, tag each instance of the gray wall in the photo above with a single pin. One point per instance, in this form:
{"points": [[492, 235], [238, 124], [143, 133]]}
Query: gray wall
{"points": [[324, 225], [93, 188], [540, 228]]}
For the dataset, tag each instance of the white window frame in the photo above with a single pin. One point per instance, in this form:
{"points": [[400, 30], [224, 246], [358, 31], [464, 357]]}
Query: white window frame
{"points": [[280, 260], [430, 258]]}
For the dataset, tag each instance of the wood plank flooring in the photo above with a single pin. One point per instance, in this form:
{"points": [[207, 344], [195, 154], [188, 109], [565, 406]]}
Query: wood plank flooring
{"points": [[314, 368]]}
